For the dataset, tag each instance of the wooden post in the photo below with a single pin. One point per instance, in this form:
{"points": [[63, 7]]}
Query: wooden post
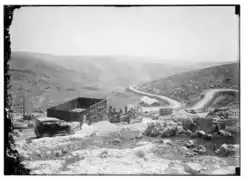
{"points": [[23, 101], [81, 119]]}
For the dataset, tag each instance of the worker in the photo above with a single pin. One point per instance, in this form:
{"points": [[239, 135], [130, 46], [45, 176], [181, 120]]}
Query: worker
{"points": [[110, 110], [82, 121], [126, 109]]}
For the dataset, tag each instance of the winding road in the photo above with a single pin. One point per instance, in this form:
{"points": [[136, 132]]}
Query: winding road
{"points": [[204, 103], [172, 103], [210, 97]]}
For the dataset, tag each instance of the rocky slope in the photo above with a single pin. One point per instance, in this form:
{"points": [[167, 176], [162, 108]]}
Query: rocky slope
{"points": [[105, 148], [187, 87], [48, 80]]}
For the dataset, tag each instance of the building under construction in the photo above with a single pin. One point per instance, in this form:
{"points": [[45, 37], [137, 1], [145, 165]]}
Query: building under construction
{"points": [[80, 109]]}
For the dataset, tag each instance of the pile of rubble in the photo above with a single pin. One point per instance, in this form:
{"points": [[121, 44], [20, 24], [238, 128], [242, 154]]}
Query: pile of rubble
{"points": [[228, 150], [163, 129], [191, 126]]}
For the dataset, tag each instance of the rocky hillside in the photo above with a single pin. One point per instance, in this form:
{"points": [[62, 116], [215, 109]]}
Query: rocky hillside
{"points": [[189, 85], [49, 79], [105, 148]]}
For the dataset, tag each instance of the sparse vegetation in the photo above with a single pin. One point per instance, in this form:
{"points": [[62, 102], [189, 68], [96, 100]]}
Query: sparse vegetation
{"points": [[187, 87], [104, 146], [47, 77]]}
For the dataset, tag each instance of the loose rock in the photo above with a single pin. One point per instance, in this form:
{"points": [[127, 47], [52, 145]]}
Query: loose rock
{"points": [[190, 144], [191, 154], [228, 150], [193, 168], [139, 136], [104, 154], [224, 133], [200, 149], [201, 134], [155, 132], [167, 141], [116, 141], [58, 153], [184, 150]]}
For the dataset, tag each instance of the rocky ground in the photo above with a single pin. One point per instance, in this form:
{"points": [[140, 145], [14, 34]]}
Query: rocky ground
{"points": [[189, 86], [105, 148]]}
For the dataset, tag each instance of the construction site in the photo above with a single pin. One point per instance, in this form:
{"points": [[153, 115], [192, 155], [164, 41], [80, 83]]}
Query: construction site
{"points": [[122, 90], [144, 134]]}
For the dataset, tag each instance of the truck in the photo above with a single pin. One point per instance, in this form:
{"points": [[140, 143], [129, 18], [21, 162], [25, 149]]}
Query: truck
{"points": [[48, 127]]}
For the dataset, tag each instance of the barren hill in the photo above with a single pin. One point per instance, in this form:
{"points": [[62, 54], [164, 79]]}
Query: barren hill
{"points": [[188, 86], [48, 79]]}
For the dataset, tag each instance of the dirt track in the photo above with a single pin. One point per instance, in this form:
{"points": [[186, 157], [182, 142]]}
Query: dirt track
{"points": [[172, 103], [209, 98], [204, 103]]}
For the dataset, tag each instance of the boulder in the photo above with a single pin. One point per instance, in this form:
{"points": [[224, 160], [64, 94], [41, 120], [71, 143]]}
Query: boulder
{"points": [[188, 133], [168, 132], [193, 168], [148, 130], [200, 149], [58, 153], [167, 141], [201, 134], [190, 144], [190, 154], [116, 141], [139, 136], [160, 141], [155, 132], [165, 129], [184, 149], [228, 150], [188, 124], [38, 151], [224, 133], [104, 154]]}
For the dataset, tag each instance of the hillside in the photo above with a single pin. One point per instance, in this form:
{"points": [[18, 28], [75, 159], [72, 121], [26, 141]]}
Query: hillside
{"points": [[187, 87], [38, 80], [47, 79]]}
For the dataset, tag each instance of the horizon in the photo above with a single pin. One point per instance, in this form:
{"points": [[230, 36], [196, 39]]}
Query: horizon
{"points": [[214, 39], [134, 58]]}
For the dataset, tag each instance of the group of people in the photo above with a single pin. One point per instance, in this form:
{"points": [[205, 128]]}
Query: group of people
{"points": [[117, 116]]}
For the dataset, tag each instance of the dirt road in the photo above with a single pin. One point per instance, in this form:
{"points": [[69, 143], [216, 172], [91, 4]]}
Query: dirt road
{"points": [[172, 103], [205, 102], [209, 98]]}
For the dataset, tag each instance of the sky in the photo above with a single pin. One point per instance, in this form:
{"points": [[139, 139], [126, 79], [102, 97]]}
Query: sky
{"points": [[168, 33]]}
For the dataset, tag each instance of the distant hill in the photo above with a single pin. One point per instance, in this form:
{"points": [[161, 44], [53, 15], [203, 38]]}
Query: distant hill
{"points": [[187, 86], [49, 79]]}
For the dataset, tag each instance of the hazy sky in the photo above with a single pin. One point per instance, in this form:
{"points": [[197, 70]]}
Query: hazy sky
{"points": [[192, 33]]}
